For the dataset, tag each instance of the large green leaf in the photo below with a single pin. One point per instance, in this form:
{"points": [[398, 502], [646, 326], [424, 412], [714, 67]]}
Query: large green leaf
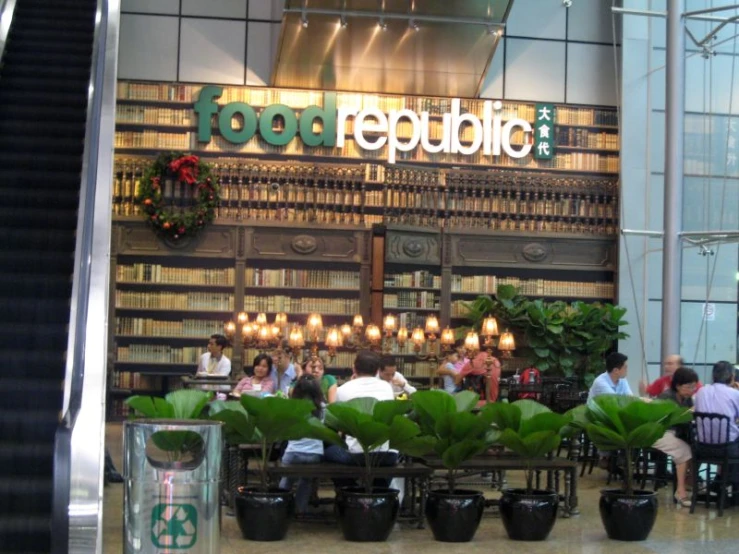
{"points": [[604, 411], [462, 451], [363, 405], [530, 408], [219, 405], [545, 421], [238, 428], [640, 412], [278, 419], [503, 415], [604, 438], [188, 403], [645, 435], [535, 445], [345, 417], [179, 442], [386, 410], [430, 406], [151, 406], [405, 436], [466, 400]]}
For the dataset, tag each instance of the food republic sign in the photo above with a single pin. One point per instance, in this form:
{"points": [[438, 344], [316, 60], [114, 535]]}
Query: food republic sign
{"points": [[373, 129]]}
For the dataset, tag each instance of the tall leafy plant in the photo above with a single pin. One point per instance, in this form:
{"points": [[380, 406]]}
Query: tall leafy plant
{"points": [[569, 338], [268, 421], [453, 432], [373, 423], [624, 423], [181, 405], [529, 429]]}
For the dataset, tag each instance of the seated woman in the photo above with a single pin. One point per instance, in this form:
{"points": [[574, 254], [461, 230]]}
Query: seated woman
{"points": [[316, 367], [448, 371], [682, 388], [304, 451], [258, 378]]}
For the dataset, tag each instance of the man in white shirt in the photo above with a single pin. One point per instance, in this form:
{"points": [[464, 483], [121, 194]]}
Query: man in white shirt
{"points": [[364, 384], [388, 372], [214, 362]]}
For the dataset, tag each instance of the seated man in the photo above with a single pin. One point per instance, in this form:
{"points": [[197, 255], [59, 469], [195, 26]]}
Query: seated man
{"points": [[284, 372], [214, 362], [613, 380], [388, 372], [363, 384]]}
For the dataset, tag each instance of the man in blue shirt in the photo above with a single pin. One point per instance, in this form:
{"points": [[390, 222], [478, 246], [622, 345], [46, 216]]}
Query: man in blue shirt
{"points": [[613, 381], [283, 371]]}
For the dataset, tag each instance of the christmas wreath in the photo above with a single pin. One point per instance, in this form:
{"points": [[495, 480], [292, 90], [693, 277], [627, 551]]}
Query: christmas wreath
{"points": [[178, 195]]}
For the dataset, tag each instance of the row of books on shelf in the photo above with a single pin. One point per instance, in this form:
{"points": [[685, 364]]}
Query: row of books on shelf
{"points": [[338, 306], [118, 408], [154, 115], [206, 301], [488, 284], [412, 368], [156, 273], [346, 193], [585, 138], [297, 99], [155, 140], [412, 299], [421, 279], [301, 278], [187, 328], [135, 380], [163, 354]]}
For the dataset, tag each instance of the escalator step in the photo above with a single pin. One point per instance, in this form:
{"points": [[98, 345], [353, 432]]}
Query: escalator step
{"points": [[26, 394], [17, 125], [40, 188], [42, 58], [34, 285], [19, 310], [47, 71], [35, 83], [35, 425], [38, 364], [26, 534], [25, 144], [47, 263], [42, 113], [26, 495], [26, 45], [58, 99], [51, 337], [61, 34], [26, 459], [78, 26], [38, 160]]}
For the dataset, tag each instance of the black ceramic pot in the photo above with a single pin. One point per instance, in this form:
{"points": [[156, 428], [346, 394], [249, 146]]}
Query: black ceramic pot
{"points": [[628, 517], [366, 517], [263, 516], [454, 517], [528, 516]]}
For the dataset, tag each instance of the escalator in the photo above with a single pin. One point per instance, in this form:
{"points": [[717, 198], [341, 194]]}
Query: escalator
{"points": [[44, 83]]}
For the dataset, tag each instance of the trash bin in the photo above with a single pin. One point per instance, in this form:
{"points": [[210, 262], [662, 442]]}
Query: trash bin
{"points": [[172, 472]]}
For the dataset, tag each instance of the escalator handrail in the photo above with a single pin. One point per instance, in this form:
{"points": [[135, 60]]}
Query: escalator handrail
{"points": [[7, 10], [78, 448]]}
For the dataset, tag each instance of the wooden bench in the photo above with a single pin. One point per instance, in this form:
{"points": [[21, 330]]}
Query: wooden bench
{"points": [[552, 466], [417, 476]]}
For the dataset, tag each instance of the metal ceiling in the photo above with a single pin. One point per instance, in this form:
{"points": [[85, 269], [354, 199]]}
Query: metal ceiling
{"points": [[424, 47]]}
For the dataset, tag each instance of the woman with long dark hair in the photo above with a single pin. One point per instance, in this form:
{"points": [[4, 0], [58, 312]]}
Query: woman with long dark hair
{"points": [[304, 451]]}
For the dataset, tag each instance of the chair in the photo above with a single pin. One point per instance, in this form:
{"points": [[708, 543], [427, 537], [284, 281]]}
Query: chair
{"points": [[519, 391], [709, 442]]}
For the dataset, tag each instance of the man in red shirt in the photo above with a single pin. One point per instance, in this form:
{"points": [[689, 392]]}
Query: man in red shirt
{"points": [[659, 386]]}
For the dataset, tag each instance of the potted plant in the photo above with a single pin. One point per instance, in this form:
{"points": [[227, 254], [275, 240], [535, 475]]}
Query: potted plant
{"points": [[368, 513], [532, 431], [263, 512], [624, 423], [455, 435]]}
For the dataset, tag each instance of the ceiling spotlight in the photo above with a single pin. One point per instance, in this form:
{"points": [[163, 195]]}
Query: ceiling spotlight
{"points": [[413, 24], [304, 21], [382, 25], [342, 21], [492, 29]]}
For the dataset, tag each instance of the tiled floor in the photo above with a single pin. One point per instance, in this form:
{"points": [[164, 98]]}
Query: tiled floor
{"points": [[676, 531]]}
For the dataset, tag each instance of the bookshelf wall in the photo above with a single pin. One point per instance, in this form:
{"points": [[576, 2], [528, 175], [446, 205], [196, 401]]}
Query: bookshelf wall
{"points": [[339, 231]]}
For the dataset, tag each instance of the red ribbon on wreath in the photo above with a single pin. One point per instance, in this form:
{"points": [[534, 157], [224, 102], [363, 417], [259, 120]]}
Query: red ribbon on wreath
{"points": [[186, 169]]}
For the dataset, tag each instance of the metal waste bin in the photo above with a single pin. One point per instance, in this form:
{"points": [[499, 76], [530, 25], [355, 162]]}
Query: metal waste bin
{"points": [[172, 472]]}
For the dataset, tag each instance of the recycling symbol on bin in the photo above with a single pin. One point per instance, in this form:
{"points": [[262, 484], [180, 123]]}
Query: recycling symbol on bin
{"points": [[174, 526]]}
